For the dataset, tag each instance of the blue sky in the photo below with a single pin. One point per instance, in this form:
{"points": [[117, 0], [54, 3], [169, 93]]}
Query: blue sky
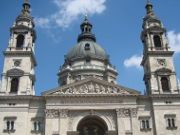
{"points": [[117, 26]]}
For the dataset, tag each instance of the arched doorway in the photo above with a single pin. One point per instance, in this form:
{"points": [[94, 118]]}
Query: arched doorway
{"points": [[92, 125]]}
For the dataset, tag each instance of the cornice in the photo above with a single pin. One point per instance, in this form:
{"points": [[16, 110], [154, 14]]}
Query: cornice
{"points": [[21, 97], [89, 95], [165, 96], [21, 53], [160, 52]]}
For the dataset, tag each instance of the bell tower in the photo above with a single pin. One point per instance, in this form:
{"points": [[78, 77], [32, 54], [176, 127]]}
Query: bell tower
{"points": [[18, 75], [159, 71]]}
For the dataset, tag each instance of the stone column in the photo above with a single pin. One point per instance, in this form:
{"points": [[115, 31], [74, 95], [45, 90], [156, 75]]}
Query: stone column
{"points": [[125, 118], [51, 122], [63, 114], [134, 127], [120, 122]]}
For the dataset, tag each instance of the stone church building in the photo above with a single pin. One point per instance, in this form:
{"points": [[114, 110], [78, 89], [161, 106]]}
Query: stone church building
{"points": [[88, 100]]}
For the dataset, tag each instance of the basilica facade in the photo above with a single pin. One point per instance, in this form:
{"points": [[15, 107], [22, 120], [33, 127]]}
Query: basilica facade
{"points": [[88, 100]]}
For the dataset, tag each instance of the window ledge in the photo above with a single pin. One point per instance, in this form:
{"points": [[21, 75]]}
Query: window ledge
{"points": [[35, 131], [9, 131], [13, 93], [145, 129], [171, 128]]}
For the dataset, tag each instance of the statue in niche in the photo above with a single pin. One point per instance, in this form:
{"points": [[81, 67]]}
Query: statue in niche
{"points": [[103, 89], [109, 90], [86, 88], [81, 89], [114, 90], [91, 88], [74, 90], [97, 89]]}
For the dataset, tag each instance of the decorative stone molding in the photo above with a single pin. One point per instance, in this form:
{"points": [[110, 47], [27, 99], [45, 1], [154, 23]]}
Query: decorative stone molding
{"points": [[63, 113], [134, 112], [109, 117], [91, 88], [15, 72], [161, 62], [126, 112], [52, 113], [92, 112]]}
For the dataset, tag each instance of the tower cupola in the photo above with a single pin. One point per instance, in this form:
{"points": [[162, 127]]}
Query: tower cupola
{"points": [[86, 34], [149, 8], [25, 14]]}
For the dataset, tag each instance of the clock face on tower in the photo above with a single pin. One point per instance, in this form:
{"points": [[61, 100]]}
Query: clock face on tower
{"points": [[161, 62], [17, 63]]}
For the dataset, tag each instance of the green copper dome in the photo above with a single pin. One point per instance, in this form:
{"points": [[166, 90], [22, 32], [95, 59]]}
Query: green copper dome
{"points": [[87, 49]]}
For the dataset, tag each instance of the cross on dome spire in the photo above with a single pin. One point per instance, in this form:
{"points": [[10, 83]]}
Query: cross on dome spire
{"points": [[149, 7], [26, 7], [86, 28]]}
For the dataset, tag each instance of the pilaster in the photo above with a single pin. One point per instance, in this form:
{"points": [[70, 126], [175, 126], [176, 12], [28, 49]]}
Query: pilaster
{"points": [[125, 119]]}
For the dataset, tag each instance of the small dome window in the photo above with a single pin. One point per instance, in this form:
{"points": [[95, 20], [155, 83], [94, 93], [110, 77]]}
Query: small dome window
{"points": [[87, 46]]}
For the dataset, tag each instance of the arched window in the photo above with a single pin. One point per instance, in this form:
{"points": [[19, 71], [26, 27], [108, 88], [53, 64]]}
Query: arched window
{"points": [[87, 47], [165, 84], [157, 41], [14, 85], [92, 126], [20, 41]]}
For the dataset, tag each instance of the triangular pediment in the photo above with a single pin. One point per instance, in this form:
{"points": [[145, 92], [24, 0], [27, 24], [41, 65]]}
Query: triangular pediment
{"points": [[91, 86]]}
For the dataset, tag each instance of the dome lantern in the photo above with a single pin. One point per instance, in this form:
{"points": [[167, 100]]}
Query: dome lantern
{"points": [[86, 34]]}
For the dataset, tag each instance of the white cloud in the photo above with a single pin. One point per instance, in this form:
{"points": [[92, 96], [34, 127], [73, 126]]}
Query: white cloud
{"points": [[42, 22], [70, 10], [174, 41], [134, 61]]}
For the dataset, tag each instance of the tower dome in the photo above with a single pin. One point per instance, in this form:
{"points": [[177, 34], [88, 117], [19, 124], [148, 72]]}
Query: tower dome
{"points": [[86, 59]]}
